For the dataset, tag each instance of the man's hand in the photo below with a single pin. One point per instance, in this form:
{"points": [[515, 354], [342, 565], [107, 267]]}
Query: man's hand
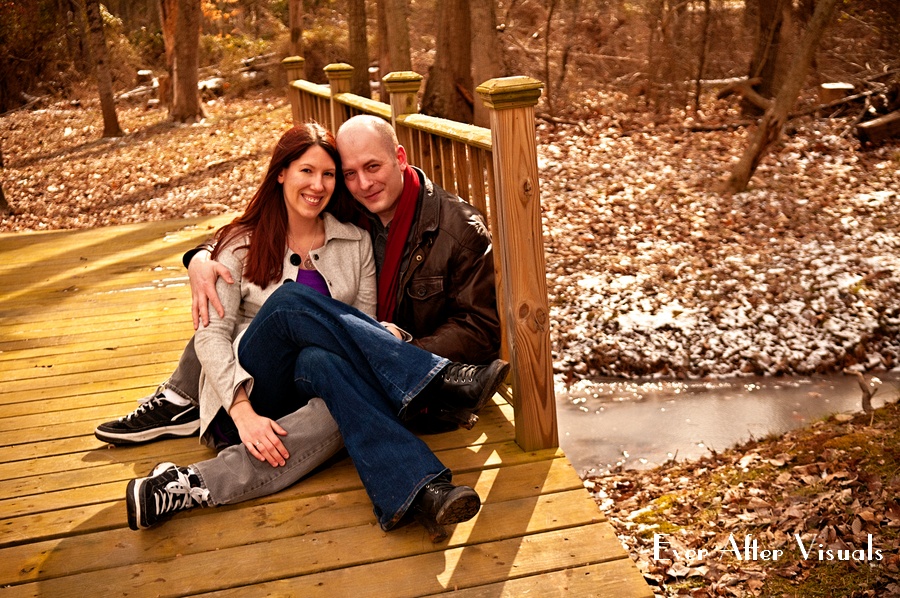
{"points": [[203, 273], [259, 434]]}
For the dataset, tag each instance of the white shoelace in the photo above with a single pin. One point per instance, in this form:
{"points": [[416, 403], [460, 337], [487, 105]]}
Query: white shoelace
{"points": [[179, 494]]}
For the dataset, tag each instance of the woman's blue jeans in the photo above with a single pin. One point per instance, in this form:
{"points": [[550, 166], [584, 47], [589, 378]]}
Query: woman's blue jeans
{"points": [[302, 344]]}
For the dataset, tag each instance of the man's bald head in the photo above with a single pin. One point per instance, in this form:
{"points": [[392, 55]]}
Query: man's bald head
{"points": [[373, 162]]}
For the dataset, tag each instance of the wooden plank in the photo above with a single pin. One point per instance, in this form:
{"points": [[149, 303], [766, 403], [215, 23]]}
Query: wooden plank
{"points": [[294, 512], [461, 170], [611, 578], [172, 572]]}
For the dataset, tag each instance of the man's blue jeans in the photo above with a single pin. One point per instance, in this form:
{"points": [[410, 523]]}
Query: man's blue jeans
{"points": [[302, 344]]}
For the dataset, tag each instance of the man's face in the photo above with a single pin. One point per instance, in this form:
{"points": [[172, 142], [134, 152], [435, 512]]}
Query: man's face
{"points": [[373, 172]]}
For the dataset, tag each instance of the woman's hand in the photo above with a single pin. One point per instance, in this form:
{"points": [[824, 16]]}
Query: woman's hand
{"points": [[259, 434], [203, 273]]}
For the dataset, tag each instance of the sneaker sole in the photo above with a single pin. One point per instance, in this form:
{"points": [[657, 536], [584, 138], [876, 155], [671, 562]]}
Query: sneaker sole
{"points": [[133, 504], [497, 377], [179, 431], [459, 508]]}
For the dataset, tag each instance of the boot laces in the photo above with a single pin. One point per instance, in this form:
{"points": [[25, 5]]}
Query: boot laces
{"points": [[461, 373], [179, 494]]}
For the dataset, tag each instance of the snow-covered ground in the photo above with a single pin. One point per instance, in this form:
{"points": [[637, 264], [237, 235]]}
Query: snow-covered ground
{"points": [[652, 272]]}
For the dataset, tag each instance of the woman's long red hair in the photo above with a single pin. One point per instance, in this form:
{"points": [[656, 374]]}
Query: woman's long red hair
{"points": [[265, 219]]}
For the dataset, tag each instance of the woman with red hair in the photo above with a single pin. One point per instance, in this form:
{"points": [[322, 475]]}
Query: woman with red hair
{"points": [[294, 228]]}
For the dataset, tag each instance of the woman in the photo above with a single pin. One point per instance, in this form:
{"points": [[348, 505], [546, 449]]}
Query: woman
{"points": [[289, 223], [297, 217]]}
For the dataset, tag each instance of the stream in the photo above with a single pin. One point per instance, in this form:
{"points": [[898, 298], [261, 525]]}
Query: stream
{"points": [[641, 424]]}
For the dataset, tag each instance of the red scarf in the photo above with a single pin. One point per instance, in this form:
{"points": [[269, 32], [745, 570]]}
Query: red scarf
{"points": [[389, 279]]}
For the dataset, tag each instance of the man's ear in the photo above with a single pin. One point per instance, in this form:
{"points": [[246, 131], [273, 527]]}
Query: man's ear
{"points": [[401, 157]]}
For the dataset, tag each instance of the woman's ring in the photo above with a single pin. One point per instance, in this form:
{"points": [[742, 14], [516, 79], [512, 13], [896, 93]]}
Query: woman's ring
{"points": [[257, 443]]}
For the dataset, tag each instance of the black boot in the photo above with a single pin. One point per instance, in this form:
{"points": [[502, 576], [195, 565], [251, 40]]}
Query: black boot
{"points": [[471, 386], [456, 394], [440, 503]]}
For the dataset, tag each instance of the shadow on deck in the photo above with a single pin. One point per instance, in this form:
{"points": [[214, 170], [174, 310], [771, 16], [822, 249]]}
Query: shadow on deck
{"points": [[91, 320]]}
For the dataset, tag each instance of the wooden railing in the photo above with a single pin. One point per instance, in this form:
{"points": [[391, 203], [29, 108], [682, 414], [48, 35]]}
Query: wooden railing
{"points": [[496, 171]]}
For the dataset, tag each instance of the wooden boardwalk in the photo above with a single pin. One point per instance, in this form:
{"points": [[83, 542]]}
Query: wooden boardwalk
{"points": [[92, 320]]}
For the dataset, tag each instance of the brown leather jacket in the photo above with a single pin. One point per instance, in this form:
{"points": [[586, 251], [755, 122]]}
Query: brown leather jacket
{"points": [[447, 296]]}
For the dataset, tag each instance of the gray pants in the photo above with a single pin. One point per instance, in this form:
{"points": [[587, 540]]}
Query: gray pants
{"points": [[234, 475]]}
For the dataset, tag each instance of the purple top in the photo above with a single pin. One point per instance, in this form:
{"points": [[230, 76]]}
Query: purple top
{"points": [[313, 280]]}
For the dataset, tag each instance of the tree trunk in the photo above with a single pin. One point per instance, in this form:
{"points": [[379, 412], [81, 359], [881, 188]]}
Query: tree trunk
{"points": [[396, 18], [765, 61], [384, 54], [101, 65], [487, 54], [704, 45], [186, 69], [75, 40], [448, 90], [295, 18], [548, 91], [168, 9], [359, 48], [772, 122]]}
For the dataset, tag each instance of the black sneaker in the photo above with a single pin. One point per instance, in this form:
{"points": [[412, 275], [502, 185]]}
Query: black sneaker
{"points": [[156, 418], [166, 491]]}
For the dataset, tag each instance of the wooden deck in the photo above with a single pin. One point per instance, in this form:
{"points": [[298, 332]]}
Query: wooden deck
{"points": [[92, 320]]}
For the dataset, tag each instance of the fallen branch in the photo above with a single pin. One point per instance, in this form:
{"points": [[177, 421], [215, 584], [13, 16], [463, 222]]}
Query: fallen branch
{"points": [[834, 104], [556, 120], [744, 88]]}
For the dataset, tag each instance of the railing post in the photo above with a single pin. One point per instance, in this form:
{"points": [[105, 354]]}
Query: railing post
{"points": [[293, 68], [511, 101], [339, 75], [403, 89]]}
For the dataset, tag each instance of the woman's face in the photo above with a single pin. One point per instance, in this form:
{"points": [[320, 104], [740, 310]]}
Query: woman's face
{"points": [[308, 183]]}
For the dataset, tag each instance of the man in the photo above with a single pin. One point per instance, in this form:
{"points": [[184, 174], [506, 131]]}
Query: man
{"points": [[436, 282]]}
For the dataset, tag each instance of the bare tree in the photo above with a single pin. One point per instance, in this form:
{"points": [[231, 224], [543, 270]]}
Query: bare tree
{"points": [[554, 82], [295, 18], [111, 126], [359, 48], [487, 55], [448, 90], [168, 9], [765, 64], [772, 122], [396, 39], [384, 54], [704, 46], [186, 66]]}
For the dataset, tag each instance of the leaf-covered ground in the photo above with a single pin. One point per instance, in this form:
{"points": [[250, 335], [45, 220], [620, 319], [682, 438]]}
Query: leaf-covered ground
{"points": [[825, 498]]}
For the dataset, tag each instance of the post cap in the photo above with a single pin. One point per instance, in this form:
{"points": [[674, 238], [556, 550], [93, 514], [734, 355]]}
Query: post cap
{"points": [[293, 61], [510, 92], [338, 70], [402, 81]]}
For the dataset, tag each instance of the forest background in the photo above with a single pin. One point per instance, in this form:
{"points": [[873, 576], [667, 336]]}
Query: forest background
{"points": [[657, 266]]}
